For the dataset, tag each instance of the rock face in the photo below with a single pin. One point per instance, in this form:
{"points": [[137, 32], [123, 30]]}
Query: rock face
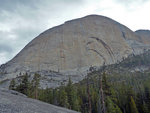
{"points": [[71, 48], [144, 36], [14, 102]]}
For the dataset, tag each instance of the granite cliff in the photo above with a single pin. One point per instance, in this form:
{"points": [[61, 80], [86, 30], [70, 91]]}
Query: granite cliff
{"points": [[71, 48]]}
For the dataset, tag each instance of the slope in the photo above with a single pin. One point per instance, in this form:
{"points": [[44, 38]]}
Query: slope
{"points": [[73, 47]]}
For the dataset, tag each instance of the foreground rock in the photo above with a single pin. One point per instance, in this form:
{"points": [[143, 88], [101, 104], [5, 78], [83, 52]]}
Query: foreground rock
{"points": [[71, 48], [14, 102]]}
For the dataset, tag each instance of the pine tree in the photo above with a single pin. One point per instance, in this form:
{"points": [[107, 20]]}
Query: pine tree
{"points": [[147, 95], [55, 97], [101, 93], [76, 106], [24, 85], [49, 94], [94, 99], [69, 90], [123, 97], [133, 106], [72, 96], [63, 99], [111, 107], [83, 98], [106, 85], [89, 95], [42, 95], [35, 84], [12, 84], [145, 108]]}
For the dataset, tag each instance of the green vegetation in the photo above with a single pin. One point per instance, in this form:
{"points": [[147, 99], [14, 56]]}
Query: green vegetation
{"points": [[119, 96], [114, 89]]}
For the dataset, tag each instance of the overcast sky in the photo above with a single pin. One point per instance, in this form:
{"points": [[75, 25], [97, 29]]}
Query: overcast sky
{"points": [[23, 20]]}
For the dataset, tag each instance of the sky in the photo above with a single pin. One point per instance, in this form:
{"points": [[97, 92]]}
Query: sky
{"points": [[23, 20]]}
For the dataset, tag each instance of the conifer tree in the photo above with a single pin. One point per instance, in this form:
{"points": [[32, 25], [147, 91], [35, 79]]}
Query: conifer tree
{"points": [[63, 99], [111, 107], [55, 97], [147, 95], [75, 100], [69, 90], [72, 96], [35, 84], [50, 96], [133, 106], [145, 108], [89, 95], [24, 85], [12, 84]]}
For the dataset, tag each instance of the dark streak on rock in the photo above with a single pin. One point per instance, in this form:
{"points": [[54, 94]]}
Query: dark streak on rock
{"points": [[105, 46], [123, 34], [89, 42], [98, 54]]}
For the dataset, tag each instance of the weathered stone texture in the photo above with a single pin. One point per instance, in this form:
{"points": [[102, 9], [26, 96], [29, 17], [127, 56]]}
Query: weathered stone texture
{"points": [[76, 45], [14, 102]]}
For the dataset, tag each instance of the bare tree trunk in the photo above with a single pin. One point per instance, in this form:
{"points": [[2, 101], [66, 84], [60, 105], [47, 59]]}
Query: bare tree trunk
{"points": [[101, 92], [36, 95], [89, 96], [102, 96]]}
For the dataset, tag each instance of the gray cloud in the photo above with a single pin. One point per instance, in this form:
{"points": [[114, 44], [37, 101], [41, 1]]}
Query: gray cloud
{"points": [[13, 5], [5, 48], [23, 20], [128, 3]]}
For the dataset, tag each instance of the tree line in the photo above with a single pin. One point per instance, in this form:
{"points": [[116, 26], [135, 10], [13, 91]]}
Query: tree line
{"points": [[97, 93]]}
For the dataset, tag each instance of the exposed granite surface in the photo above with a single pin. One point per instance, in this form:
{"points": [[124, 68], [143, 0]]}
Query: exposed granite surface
{"points": [[71, 48], [14, 102]]}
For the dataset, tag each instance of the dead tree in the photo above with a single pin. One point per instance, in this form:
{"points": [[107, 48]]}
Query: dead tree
{"points": [[89, 95], [101, 92]]}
